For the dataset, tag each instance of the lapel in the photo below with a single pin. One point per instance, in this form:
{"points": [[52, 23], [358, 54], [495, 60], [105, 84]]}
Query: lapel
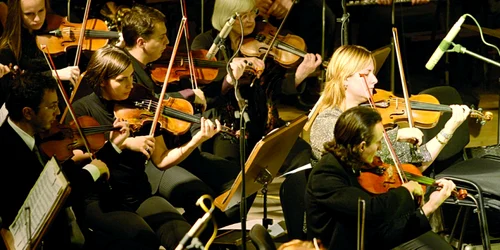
{"points": [[17, 150]]}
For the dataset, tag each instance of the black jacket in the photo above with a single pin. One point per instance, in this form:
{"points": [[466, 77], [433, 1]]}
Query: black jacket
{"points": [[332, 196]]}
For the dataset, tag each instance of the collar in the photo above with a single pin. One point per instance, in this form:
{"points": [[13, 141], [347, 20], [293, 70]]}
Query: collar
{"points": [[106, 104], [28, 139], [134, 60]]}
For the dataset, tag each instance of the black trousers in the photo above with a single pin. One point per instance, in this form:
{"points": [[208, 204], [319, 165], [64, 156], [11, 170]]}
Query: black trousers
{"points": [[155, 222], [183, 188]]}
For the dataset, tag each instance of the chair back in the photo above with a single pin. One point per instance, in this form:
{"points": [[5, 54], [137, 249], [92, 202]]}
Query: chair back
{"points": [[448, 95], [261, 239]]}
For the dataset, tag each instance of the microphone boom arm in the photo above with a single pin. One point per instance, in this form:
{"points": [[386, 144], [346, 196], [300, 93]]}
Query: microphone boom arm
{"points": [[461, 49]]}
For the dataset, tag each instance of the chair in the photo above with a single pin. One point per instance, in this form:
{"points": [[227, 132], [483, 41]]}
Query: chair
{"points": [[261, 239], [479, 176]]}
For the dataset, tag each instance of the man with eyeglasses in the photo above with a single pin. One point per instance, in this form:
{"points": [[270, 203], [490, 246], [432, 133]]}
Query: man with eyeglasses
{"points": [[33, 108]]}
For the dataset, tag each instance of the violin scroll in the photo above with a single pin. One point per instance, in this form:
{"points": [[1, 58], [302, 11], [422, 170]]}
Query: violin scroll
{"points": [[481, 117]]}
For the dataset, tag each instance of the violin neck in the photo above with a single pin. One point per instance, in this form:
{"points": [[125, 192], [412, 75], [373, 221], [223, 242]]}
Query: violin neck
{"points": [[104, 34], [420, 179], [98, 129], [174, 113], [208, 63], [288, 48], [151, 105], [429, 106], [197, 62]]}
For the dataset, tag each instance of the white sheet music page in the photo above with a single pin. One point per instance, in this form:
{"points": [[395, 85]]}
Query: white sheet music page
{"points": [[39, 204]]}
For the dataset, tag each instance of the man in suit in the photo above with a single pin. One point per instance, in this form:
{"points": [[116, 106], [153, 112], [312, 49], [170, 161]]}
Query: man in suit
{"points": [[33, 107]]}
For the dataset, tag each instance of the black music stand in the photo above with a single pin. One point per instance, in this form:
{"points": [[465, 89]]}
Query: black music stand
{"points": [[380, 56], [263, 164]]}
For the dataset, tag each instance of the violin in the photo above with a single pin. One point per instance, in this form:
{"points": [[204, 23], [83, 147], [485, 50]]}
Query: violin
{"points": [[176, 117], [287, 49], [426, 109], [61, 34], [60, 140], [205, 71], [380, 177]]}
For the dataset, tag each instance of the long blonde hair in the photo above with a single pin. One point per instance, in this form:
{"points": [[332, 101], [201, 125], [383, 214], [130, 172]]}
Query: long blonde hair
{"points": [[346, 61]]}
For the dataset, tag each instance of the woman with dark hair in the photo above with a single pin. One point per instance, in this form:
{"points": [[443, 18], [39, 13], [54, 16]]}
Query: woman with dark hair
{"points": [[128, 213]]}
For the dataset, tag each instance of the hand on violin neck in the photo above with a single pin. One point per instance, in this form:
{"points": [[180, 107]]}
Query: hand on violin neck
{"points": [[308, 66], [445, 188], [207, 130], [411, 135], [460, 113]]}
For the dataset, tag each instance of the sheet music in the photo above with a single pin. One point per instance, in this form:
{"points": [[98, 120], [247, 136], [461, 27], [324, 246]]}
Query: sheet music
{"points": [[39, 204]]}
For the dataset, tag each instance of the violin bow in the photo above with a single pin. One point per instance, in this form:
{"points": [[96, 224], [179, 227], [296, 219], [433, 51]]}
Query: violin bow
{"points": [[77, 56], [51, 64], [387, 141], [159, 107], [403, 78], [271, 44], [192, 70]]}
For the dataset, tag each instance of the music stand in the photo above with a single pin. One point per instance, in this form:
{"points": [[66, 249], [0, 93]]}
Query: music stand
{"points": [[380, 56], [263, 163], [60, 186]]}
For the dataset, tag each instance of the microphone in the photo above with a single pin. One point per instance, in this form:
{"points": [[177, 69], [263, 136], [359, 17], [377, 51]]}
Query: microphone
{"points": [[220, 37], [445, 44], [194, 231]]}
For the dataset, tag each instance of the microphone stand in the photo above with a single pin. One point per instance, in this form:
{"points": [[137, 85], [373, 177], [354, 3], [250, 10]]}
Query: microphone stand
{"points": [[244, 119], [461, 49], [344, 20], [393, 49]]}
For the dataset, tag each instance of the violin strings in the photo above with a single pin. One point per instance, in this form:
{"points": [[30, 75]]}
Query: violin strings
{"points": [[201, 63], [97, 129], [292, 49], [188, 117], [176, 112], [287, 47], [424, 106]]}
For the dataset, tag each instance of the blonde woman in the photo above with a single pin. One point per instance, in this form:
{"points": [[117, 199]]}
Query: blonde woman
{"points": [[345, 88]]}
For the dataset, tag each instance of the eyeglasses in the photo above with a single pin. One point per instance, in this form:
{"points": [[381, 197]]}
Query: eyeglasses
{"points": [[250, 15], [53, 106]]}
